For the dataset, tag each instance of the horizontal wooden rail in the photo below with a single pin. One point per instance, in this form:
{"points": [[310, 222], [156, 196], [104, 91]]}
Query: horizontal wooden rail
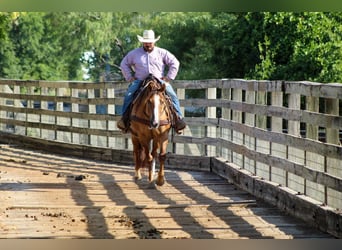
{"points": [[286, 132]]}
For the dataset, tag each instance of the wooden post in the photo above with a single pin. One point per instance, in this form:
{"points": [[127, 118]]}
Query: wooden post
{"points": [[238, 159], [18, 115], [226, 134], [75, 122], [3, 103], [296, 155], [262, 146], [211, 93], [111, 125], [179, 148], [249, 141], [91, 110], [279, 150], [313, 160], [101, 141], [34, 132], [333, 166], [48, 134], [59, 107], [44, 134]]}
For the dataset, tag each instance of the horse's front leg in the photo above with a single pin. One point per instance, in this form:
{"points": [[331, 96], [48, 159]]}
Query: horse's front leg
{"points": [[152, 168], [138, 160], [162, 157], [149, 162], [161, 176]]}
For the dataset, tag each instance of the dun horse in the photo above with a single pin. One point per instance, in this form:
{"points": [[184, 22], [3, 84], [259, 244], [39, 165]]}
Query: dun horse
{"points": [[150, 122]]}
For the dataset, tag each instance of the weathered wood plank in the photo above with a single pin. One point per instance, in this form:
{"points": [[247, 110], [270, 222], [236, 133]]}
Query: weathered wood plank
{"points": [[82, 85], [286, 199], [239, 138], [314, 146], [42, 199]]}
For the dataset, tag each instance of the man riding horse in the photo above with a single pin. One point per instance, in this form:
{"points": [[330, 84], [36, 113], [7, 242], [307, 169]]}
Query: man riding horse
{"points": [[142, 62]]}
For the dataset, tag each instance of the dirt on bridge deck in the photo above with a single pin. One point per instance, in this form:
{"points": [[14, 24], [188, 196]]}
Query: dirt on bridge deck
{"points": [[46, 195]]}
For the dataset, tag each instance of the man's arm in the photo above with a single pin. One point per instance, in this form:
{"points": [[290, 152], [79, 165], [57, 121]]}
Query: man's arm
{"points": [[126, 69], [173, 64]]}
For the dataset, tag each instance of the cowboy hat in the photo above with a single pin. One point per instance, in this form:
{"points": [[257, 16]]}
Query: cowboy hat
{"points": [[148, 37]]}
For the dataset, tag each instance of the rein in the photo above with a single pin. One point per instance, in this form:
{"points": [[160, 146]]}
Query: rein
{"points": [[147, 122]]}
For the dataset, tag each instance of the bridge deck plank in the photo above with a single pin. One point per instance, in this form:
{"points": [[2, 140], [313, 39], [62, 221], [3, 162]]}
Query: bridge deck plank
{"points": [[41, 198]]}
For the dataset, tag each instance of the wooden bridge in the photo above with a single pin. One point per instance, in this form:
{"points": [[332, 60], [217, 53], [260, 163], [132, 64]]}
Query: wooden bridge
{"points": [[264, 161], [52, 196]]}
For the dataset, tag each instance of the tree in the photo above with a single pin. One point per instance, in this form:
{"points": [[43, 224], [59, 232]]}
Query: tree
{"points": [[75, 33], [51, 45], [8, 60], [318, 53], [191, 36], [108, 55], [253, 45], [297, 46]]}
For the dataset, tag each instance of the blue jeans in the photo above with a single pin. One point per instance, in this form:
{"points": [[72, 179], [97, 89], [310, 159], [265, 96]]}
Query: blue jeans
{"points": [[134, 86]]}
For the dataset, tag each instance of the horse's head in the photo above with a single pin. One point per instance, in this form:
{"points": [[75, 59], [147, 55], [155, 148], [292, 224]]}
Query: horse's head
{"points": [[156, 103], [151, 107]]}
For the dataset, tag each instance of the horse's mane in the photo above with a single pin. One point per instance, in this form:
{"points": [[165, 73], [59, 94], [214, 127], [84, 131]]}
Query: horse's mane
{"points": [[149, 85]]}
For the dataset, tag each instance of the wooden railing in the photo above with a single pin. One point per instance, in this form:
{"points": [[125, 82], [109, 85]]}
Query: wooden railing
{"points": [[288, 133]]}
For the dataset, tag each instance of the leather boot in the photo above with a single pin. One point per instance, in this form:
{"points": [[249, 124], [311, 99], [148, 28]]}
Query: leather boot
{"points": [[179, 125], [123, 123]]}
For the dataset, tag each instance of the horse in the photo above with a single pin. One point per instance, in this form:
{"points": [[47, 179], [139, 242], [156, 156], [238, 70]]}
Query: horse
{"points": [[150, 121]]}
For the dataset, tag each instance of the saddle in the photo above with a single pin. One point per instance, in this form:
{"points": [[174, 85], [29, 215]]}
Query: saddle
{"points": [[143, 85]]}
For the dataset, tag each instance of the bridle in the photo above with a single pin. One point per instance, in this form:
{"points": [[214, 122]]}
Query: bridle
{"points": [[137, 101]]}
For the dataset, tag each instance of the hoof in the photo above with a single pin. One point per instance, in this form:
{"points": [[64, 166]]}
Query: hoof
{"points": [[160, 181], [137, 179], [151, 185]]}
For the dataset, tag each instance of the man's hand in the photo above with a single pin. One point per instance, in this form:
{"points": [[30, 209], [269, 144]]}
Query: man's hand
{"points": [[166, 79], [132, 79]]}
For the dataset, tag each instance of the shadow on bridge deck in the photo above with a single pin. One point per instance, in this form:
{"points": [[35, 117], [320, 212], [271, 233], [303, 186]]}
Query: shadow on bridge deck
{"points": [[46, 195]]}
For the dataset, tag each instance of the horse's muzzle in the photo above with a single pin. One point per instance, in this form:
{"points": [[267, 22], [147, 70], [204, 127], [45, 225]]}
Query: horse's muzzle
{"points": [[154, 124]]}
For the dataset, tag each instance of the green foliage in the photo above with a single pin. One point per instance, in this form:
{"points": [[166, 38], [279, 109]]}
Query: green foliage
{"points": [[254, 45], [237, 46], [8, 59], [299, 46]]}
